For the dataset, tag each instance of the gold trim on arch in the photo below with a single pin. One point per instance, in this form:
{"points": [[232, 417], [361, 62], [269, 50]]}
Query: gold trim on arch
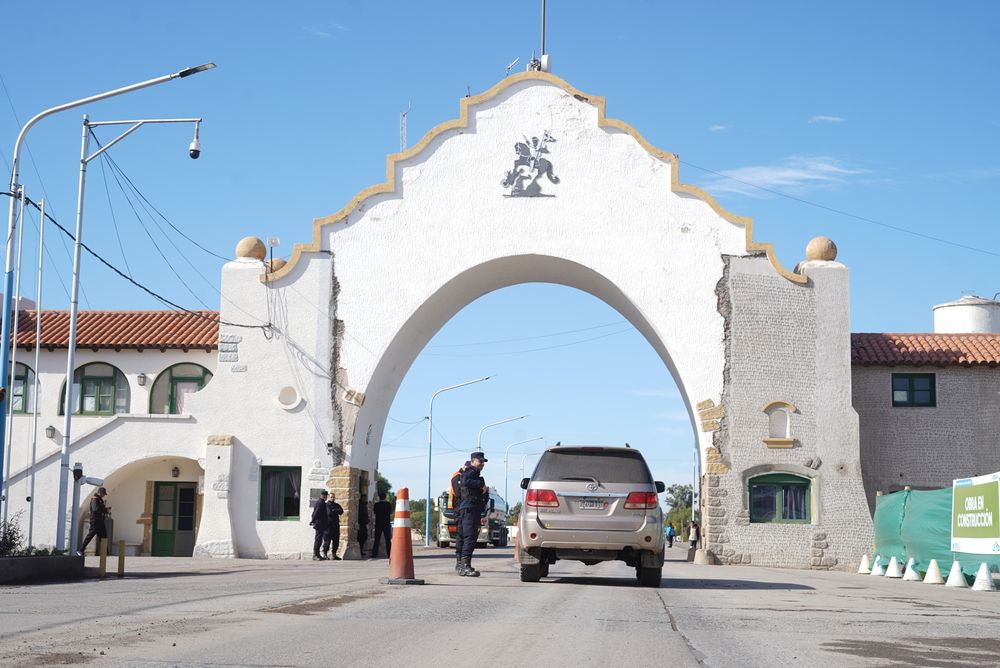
{"points": [[463, 122]]}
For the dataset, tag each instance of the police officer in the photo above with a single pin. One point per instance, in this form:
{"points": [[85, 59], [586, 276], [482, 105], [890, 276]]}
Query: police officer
{"points": [[455, 503], [320, 523], [99, 511], [474, 491], [332, 534]]}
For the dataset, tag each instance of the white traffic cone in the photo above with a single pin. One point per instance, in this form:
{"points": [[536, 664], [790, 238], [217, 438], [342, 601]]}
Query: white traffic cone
{"points": [[955, 576], [984, 579], [893, 570], [933, 576], [911, 574], [877, 567], [865, 567]]}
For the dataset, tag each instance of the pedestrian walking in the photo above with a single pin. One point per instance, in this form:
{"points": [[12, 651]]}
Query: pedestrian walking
{"points": [[455, 504], [320, 522], [671, 534], [694, 533], [474, 492], [331, 537], [362, 525], [99, 511], [382, 510]]}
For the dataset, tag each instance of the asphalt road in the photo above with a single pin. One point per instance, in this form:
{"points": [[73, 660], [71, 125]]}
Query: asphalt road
{"points": [[184, 612]]}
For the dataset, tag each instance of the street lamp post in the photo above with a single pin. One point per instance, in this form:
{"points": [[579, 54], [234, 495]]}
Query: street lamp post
{"points": [[505, 454], [526, 455], [479, 439], [430, 436], [5, 314], [70, 404]]}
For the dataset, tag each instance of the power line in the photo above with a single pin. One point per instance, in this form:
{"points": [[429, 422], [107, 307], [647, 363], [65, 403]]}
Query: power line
{"points": [[529, 338], [840, 212], [38, 175], [111, 208], [531, 350]]}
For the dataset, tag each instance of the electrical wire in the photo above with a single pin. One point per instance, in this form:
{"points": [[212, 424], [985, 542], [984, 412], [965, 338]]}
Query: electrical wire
{"points": [[529, 338], [847, 214], [114, 219]]}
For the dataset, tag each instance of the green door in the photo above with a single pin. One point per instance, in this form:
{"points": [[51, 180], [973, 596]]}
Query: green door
{"points": [[164, 518]]}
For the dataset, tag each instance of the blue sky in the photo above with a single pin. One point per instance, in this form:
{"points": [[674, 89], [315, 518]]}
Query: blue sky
{"points": [[885, 111]]}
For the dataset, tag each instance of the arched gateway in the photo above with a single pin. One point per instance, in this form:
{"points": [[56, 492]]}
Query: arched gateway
{"points": [[533, 183]]}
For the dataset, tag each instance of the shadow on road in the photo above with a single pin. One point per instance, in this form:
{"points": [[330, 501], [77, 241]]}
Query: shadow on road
{"points": [[678, 583]]}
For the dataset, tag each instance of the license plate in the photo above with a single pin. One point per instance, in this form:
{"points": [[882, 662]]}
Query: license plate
{"points": [[592, 504]]}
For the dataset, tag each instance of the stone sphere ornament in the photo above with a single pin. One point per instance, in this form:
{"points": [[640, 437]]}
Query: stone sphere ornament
{"points": [[821, 248], [251, 247]]}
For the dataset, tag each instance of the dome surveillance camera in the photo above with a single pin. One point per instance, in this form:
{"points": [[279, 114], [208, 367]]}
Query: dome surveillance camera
{"points": [[194, 150]]}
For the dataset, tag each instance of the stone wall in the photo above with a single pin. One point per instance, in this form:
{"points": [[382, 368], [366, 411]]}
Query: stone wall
{"points": [[927, 447]]}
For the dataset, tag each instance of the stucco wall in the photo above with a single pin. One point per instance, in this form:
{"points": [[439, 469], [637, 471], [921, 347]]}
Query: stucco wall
{"points": [[927, 447]]}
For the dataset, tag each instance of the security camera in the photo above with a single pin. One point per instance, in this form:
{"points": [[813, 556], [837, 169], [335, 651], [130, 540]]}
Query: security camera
{"points": [[194, 150], [96, 482]]}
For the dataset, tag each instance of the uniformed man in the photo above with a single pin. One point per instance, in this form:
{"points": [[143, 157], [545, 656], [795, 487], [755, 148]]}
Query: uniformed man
{"points": [[455, 503], [320, 522], [99, 511], [331, 537], [474, 491]]}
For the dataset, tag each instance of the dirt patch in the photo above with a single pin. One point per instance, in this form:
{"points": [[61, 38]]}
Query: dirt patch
{"points": [[58, 659], [322, 604], [929, 652]]}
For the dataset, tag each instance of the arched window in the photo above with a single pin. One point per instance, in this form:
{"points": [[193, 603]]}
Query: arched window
{"points": [[779, 424], [780, 497], [22, 397], [98, 389], [174, 384]]}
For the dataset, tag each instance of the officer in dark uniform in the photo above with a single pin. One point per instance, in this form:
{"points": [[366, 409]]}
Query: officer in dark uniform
{"points": [[455, 503], [99, 511], [362, 525], [474, 491], [320, 523], [383, 512], [331, 537]]}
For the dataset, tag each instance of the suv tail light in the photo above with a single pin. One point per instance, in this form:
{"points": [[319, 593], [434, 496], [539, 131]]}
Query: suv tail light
{"points": [[641, 501], [542, 498]]}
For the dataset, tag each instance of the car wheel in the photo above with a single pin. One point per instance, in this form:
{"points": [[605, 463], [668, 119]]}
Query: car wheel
{"points": [[531, 572], [649, 577]]}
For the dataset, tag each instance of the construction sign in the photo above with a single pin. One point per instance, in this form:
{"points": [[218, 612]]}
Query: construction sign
{"points": [[975, 514]]}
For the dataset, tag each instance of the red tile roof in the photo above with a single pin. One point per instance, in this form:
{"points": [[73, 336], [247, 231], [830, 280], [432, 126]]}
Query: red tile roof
{"points": [[926, 349], [155, 330]]}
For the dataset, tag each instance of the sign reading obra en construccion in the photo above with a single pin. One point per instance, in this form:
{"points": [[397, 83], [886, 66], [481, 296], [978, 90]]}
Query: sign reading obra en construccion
{"points": [[975, 511]]}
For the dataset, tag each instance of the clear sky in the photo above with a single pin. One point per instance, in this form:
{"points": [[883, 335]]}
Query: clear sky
{"points": [[885, 111]]}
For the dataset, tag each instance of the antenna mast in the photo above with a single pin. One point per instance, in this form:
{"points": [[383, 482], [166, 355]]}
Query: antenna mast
{"points": [[543, 29], [402, 127]]}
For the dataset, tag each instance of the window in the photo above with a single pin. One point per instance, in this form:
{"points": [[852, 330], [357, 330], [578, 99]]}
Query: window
{"points": [[913, 389], [174, 384], [779, 424], [22, 398], [780, 497], [280, 488], [98, 389]]}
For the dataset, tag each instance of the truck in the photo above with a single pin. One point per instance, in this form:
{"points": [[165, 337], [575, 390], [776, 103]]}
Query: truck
{"points": [[492, 524]]}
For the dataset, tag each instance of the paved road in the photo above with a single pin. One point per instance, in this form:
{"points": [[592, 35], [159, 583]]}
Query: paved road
{"points": [[265, 613]]}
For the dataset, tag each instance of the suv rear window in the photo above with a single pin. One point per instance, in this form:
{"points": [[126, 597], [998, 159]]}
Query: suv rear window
{"points": [[604, 465]]}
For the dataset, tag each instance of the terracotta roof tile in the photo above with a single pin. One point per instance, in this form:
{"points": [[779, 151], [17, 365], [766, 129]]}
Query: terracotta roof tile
{"points": [[123, 329], [926, 349]]}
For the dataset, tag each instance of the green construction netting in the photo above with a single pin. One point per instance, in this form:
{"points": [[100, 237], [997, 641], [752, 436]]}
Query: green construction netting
{"points": [[917, 524]]}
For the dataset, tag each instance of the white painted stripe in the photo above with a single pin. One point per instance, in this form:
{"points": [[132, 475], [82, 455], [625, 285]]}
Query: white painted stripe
{"points": [[402, 505], [407, 523]]}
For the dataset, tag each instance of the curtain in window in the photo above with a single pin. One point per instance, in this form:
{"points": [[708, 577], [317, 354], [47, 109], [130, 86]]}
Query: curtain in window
{"points": [[794, 502], [272, 495], [292, 482], [181, 390]]}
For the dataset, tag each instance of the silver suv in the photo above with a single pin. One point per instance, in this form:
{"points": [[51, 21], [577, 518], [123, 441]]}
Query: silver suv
{"points": [[592, 504]]}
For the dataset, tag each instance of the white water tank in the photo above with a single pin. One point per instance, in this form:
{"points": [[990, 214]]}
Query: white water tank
{"points": [[968, 315]]}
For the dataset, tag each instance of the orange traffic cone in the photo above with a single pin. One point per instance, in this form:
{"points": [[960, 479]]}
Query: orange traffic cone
{"points": [[401, 555]]}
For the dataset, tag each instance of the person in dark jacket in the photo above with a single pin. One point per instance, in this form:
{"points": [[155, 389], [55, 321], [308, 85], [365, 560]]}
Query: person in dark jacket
{"points": [[331, 537], [455, 503], [99, 511], [382, 510], [362, 525], [320, 522], [475, 495]]}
